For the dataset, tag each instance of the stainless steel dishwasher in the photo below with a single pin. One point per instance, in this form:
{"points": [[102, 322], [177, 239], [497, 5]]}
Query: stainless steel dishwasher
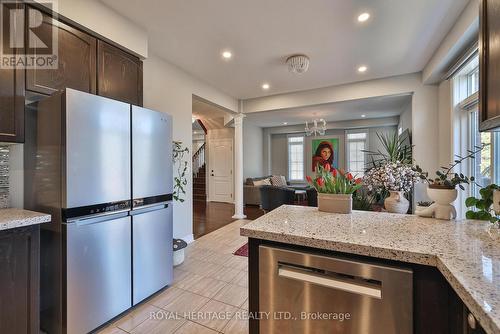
{"points": [[310, 294]]}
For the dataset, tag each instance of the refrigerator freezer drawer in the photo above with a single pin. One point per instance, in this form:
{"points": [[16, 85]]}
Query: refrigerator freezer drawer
{"points": [[98, 272], [152, 252], [320, 294]]}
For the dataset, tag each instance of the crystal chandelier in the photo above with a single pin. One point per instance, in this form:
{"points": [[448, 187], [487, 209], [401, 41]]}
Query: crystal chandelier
{"points": [[318, 128], [298, 63]]}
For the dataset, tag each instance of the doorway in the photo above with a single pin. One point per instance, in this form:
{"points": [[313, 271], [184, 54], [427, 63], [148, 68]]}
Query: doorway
{"points": [[220, 176]]}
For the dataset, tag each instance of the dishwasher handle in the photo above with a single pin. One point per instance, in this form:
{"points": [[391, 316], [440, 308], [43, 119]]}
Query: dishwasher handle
{"points": [[329, 282]]}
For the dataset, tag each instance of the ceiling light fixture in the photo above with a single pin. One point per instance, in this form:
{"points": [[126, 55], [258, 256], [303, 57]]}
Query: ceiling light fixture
{"points": [[227, 55], [363, 17], [316, 129], [265, 86], [363, 116], [298, 63], [362, 69], [285, 123]]}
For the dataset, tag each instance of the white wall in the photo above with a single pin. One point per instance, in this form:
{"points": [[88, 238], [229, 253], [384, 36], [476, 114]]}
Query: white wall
{"points": [[278, 154], [405, 118], [253, 153], [169, 89], [99, 18]]}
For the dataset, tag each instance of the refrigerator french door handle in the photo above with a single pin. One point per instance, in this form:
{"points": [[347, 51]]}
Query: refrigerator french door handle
{"points": [[149, 208], [98, 218]]}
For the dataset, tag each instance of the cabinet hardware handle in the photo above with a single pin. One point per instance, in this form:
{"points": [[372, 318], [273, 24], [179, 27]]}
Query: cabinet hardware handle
{"points": [[471, 321]]}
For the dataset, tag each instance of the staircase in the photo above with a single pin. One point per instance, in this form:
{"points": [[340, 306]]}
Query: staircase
{"points": [[199, 176]]}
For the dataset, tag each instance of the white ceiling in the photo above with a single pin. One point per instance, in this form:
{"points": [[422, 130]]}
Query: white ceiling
{"points": [[211, 115], [400, 37], [376, 107]]}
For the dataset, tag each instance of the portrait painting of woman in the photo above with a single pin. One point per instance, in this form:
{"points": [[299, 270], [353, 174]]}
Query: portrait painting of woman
{"points": [[324, 152]]}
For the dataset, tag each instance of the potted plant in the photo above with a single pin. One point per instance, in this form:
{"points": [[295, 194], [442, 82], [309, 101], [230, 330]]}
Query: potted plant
{"points": [[335, 189], [442, 188], [423, 205], [395, 177], [483, 208]]}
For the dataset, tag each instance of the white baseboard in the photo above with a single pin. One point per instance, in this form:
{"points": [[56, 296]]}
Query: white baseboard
{"points": [[188, 238]]}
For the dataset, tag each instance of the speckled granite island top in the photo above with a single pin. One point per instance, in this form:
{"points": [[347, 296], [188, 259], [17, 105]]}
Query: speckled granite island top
{"points": [[466, 252], [14, 218]]}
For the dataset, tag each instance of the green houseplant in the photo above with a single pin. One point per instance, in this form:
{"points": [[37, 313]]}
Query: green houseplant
{"points": [[180, 163], [483, 207], [442, 188], [335, 189]]}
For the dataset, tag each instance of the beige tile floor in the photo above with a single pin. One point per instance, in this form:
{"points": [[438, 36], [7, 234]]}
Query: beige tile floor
{"points": [[211, 286]]}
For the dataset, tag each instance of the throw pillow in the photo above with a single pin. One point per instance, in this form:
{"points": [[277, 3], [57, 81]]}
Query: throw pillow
{"points": [[278, 181], [263, 182]]}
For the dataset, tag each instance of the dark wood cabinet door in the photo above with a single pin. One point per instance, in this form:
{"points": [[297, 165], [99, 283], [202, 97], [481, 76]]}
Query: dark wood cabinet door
{"points": [[76, 61], [11, 99], [119, 74], [19, 280]]}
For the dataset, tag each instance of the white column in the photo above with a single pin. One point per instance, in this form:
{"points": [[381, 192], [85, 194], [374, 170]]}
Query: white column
{"points": [[238, 167]]}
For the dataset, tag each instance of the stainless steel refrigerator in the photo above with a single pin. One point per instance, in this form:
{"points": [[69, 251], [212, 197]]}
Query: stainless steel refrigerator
{"points": [[95, 165]]}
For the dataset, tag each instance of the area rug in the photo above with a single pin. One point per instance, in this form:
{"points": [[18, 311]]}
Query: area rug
{"points": [[242, 251]]}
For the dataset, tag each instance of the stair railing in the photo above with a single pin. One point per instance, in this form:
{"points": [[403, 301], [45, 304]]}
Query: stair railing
{"points": [[198, 160]]}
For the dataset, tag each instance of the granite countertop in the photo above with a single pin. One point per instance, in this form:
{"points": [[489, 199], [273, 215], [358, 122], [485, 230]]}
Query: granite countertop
{"points": [[14, 218], [466, 252]]}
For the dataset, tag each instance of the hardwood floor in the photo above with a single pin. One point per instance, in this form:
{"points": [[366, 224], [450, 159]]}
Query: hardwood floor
{"points": [[210, 216]]}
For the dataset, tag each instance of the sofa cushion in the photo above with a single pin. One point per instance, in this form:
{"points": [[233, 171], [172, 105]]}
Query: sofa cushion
{"points": [[264, 182], [278, 181]]}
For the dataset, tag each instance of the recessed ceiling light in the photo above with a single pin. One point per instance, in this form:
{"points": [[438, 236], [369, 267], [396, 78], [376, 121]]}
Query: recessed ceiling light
{"points": [[363, 116], [363, 17], [227, 55], [285, 123], [265, 86], [362, 69]]}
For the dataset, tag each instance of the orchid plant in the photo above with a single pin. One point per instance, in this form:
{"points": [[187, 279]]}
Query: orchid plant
{"points": [[329, 180]]}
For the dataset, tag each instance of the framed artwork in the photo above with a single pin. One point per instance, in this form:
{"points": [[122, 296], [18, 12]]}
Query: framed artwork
{"points": [[325, 151]]}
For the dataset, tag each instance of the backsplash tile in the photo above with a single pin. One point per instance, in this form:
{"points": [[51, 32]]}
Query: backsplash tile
{"points": [[4, 177]]}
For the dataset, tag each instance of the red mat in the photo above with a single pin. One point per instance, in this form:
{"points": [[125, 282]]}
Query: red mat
{"points": [[242, 251]]}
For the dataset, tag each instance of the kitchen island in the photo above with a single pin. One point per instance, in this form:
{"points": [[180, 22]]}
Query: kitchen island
{"points": [[455, 264], [20, 270]]}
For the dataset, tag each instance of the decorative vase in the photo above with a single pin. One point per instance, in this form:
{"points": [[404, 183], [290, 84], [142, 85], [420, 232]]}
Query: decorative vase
{"points": [[335, 203], [396, 202], [496, 201], [442, 207]]}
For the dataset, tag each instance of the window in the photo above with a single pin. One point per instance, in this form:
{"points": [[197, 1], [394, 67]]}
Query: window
{"points": [[356, 158], [485, 167], [296, 158]]}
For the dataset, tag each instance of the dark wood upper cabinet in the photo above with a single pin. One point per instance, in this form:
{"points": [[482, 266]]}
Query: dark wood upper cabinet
{"points": [[489, 64], [11, 98], [76, 61], [119, 74]]}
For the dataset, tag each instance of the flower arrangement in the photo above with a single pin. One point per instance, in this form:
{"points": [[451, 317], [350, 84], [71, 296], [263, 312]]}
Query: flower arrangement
{"points": [[393, 176], [329, 180]]}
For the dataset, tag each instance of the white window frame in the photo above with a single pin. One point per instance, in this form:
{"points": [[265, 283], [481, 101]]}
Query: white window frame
{"points": [[289, 162], [347, 150]]}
